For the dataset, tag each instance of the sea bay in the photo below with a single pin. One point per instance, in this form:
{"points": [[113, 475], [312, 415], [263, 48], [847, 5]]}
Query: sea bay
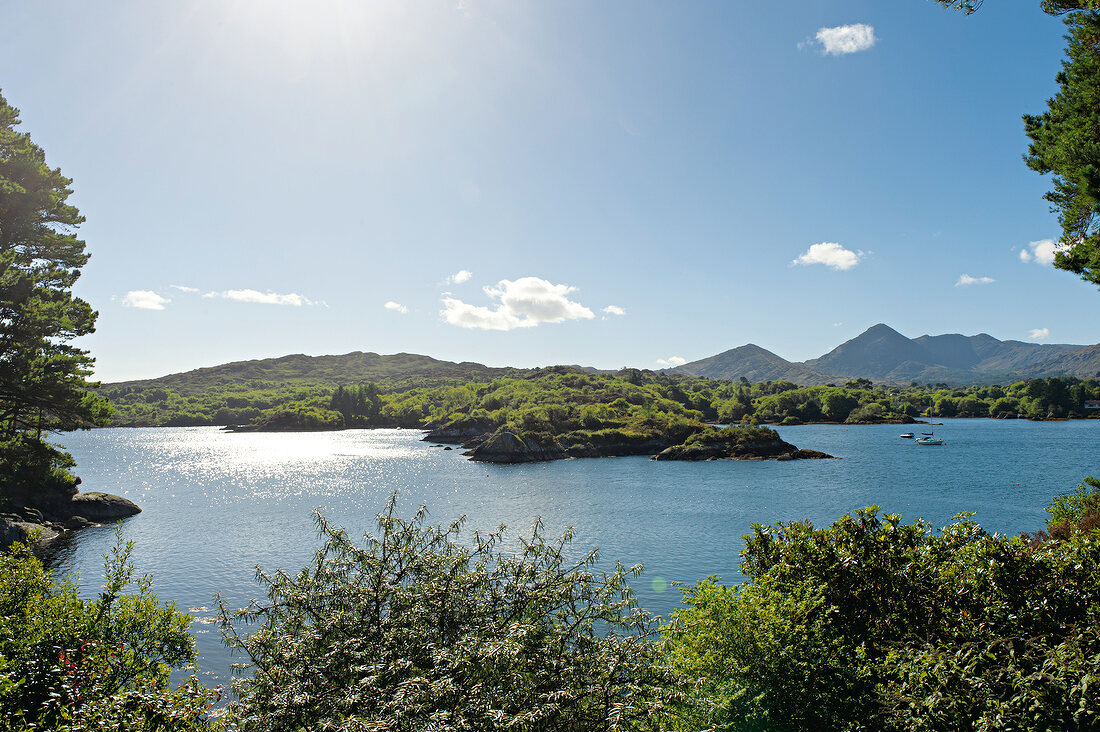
{"points": [[217, 505]]}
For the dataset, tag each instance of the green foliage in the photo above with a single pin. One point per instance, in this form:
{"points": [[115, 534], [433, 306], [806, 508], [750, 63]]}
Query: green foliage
{"points": [[871, 624], [25, 460], [236, 393], [415, 630], [359, 405], [294, 416], [561, 400], [1077, 512], [67, 663], [43, 384], [745, 435], [1065, 142]]}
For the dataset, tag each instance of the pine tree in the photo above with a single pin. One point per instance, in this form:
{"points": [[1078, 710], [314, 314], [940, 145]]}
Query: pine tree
{"points": [[43, 376]]}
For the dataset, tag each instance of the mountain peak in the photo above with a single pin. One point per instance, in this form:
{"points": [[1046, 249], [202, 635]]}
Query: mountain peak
{"points": [[881, 353], [880, 330]]}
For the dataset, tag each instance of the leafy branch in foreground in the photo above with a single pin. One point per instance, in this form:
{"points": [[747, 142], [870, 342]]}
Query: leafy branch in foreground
{"points": [[414, 630], [73, 664]]}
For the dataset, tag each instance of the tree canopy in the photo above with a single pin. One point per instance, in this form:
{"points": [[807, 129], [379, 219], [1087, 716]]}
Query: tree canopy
{"points": [[1065, 139], [1065, 142], [43, 376]]}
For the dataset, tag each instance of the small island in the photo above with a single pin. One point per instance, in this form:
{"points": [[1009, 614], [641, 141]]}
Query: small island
{"points": [[709, 443], [566, 413]]}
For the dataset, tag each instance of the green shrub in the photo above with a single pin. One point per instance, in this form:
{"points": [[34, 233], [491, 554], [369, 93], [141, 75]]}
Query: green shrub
{"points": [[415, 631], [73, 664], [871, 624]]}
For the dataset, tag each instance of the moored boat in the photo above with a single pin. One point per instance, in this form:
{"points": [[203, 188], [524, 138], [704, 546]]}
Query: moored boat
{"points": [[929, 438]]}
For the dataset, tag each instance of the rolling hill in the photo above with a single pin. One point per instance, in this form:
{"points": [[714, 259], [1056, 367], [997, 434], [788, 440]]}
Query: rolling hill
{"points": [[393, 371]]}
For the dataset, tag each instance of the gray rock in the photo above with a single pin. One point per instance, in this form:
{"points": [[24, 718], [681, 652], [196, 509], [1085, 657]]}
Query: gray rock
{"points": [[460, 432], [95, 506], [33, 535], [507, 447], [78, 522]]}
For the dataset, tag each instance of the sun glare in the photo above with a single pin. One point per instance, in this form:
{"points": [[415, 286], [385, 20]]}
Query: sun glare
{"points": [[294, 37]]}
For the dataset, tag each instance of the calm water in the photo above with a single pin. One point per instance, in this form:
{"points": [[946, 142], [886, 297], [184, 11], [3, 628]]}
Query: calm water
{"points": [[217, 505]]}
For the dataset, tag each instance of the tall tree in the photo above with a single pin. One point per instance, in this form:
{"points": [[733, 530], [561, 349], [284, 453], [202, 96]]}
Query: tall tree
{"points": [[43, 376], [1065, 140]]}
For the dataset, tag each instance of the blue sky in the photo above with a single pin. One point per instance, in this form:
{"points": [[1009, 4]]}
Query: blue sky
{"points": [[514, 183]]}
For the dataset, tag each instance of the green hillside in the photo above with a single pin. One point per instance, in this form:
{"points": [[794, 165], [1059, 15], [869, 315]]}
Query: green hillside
{"points": [[242, 391]]}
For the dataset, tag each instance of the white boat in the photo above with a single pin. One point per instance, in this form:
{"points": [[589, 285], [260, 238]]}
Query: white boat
{"points": [[906, 435], [929, 438]]}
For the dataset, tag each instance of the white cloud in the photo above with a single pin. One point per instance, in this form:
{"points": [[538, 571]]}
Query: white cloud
{"points": [[1040, 252], [263, 298], [396, 307], [1039, 333], [185, 288], [830, 254], [844, 39], [965, 280], [144, 300], [672, 361], [462, 275], [614, 310], [523, 303]]}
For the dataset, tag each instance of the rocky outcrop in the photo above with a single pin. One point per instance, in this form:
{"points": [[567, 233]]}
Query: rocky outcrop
{"points": [[39, 517], [461, 432], [692, 452], [508, 447], [617, 448], [804, 454], [98, 507], [36, 535], [775, 449]]}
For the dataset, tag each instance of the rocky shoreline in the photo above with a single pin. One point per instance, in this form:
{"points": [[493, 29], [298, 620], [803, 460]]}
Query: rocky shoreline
{"points": [[40, 518]]}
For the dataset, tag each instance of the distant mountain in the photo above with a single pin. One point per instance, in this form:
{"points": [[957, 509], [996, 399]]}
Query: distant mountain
{"points": [[393, 371], [755, 364], [882, 354]]}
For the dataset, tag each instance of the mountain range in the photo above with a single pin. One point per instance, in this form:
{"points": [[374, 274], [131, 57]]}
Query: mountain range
{"points": [[881, 353]]}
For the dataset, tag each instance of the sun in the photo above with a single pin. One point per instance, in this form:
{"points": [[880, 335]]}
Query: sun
{"points": [[293, 38]]}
